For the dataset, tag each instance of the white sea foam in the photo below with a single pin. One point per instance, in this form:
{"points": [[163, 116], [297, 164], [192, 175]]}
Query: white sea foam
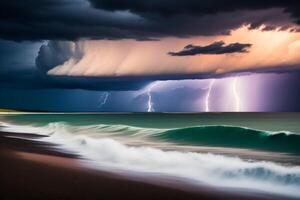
{"points": [[212, 169], [14, 128]]}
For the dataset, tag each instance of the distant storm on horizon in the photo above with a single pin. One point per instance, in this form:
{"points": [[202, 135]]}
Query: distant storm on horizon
{"points": [[150, 56], [150, 99]]}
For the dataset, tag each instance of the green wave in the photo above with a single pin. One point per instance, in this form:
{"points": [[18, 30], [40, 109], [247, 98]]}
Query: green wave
{"points": [[235, 137]]}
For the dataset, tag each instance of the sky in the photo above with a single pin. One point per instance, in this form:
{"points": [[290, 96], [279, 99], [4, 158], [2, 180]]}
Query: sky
{"points": [[150, 56]]}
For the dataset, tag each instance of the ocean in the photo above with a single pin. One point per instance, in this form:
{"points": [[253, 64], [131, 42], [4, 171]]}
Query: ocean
{"points": [[248, 151]]}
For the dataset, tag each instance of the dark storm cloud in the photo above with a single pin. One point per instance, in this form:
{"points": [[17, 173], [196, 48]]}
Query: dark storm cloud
{"points": [[17, 54], [34, 79], [55, 53], [63, 19], [214, 48], [140, 20], [171, 7]]}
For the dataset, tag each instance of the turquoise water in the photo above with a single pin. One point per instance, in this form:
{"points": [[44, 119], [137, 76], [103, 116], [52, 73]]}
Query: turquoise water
{"points": [[235, 137], [262, 121], [277, 132]]}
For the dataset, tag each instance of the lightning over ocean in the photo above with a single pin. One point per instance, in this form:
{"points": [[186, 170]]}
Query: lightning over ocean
{"points": [[150, 103], [149, 99]]}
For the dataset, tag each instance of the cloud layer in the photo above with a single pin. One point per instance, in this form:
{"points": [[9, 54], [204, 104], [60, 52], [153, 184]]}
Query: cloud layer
{"points": [[270, 51], [55, 53], [139, 20], [214, 48]]}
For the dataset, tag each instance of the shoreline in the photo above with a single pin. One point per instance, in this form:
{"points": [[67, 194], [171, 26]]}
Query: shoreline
{"points": [[36, 170]]}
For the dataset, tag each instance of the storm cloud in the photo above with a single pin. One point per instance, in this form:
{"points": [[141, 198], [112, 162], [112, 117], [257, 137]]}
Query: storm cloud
{"points": [[243, 51], [56, 53], [139, 20], [66, 55], [170, 7], [214, 48]]}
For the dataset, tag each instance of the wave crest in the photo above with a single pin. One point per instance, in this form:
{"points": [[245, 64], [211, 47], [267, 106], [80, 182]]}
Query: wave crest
{"points": [[198, 168], [96, 142], [234, 137]]}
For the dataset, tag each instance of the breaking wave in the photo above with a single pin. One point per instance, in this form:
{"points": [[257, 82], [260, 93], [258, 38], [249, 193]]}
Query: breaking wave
{"points": [[97, 143], [235, 137], [212, 169], [215, 136]]}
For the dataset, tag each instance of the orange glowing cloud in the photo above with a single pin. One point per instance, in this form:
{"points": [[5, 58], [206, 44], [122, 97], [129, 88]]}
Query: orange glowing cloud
{"points": [[270, 49]]}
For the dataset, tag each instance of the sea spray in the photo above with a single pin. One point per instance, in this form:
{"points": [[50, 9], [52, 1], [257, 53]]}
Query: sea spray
{"points": [[199, 168], [98, 144]]}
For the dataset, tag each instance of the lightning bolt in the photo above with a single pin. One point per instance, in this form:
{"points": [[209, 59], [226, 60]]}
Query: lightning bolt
{"points": [[211, 84], [150, 103], [236, 95], [104, 98]]}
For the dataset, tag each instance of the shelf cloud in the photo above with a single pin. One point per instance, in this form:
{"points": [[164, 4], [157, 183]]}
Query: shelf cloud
{"points": [[140, 20], [243, 51]]}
